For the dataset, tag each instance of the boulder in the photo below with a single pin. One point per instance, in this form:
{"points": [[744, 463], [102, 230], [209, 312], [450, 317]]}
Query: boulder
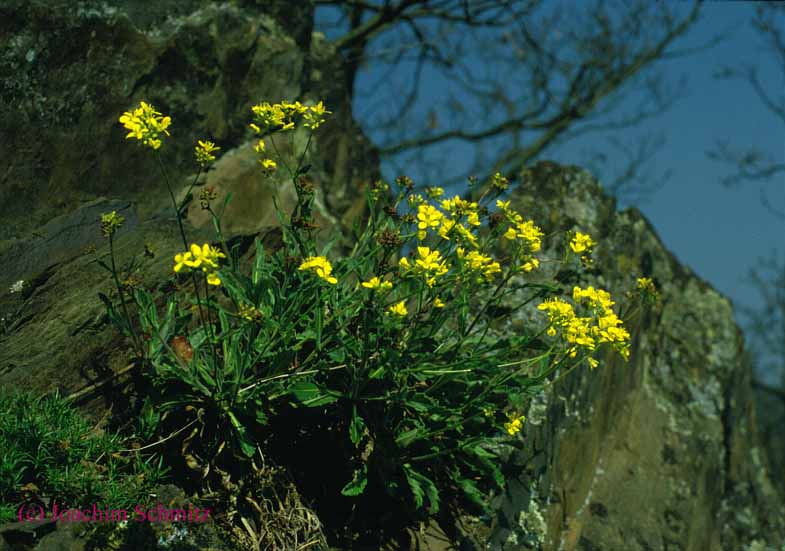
{"points": [[660, 452], [204, 64]]}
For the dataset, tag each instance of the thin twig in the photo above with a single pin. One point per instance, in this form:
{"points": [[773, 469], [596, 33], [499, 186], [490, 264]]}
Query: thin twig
{"points": [[160, 441], [284, 375]]}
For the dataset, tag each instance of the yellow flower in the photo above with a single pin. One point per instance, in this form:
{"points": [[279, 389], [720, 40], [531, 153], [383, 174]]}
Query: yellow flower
{"points": [[206, 255], [429, 217], [597, 298], [647, 290], [314, 116], [399, 309], [499, 182], [593, 363], [110, 223], [458, 207], [578, 333], [515, 424], [581, 243], [560, 313], [473, 219], [531, 264], [259, 147], [481, 263], [268, 165], [527, 232], [437, 303], [182, 259], [146, 125], [415, 199], [430, 264], [250, 312], [321, 266], [376, 283], [204, 152], [434, 192], [463, 234], [404, 263]]}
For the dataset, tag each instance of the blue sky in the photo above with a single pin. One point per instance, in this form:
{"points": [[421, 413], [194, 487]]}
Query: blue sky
{"points": [[718, 232]]}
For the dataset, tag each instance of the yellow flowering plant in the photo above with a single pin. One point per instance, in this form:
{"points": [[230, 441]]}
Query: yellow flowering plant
{"points": [[392, 354]]}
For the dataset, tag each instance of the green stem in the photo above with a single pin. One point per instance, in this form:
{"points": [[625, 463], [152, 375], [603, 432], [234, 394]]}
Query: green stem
{"points": [[177, 209], [134, 336]]}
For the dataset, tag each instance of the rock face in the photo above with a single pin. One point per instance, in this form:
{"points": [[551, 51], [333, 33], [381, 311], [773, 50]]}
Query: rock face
{"points": [[67, 75], [70, 70], [657, 453]]}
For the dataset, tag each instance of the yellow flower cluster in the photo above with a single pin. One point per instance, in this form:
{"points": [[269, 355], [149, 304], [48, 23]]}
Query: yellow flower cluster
{"points": [[579, 332], [646, 287], [582, 244], [268, 165], [146, 124], [428, 217], [321, 266], [479, 263], [204, 152], [499, 182], [430, 264], [110, 223], [525, 234], [463, 234], [448, 223], [399, 309], [458, 207], [250, 312], [376, 283], [283, 116], [204, 257], [514, 424]]}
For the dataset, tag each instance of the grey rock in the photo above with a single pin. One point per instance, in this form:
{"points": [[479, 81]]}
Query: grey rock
{"points": [[657, 453]]}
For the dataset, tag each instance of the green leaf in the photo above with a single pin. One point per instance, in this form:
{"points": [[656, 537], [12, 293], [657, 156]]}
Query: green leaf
{"points": [[246, 444], [357, 485], [319, 323], [405, 439], [105, 266], [421, 486], [482, 460], [414, 485], [261, 417], [472, 492], [417, 405], [258, 265], [114, 316], [433, 494], [232, 287], [356, 427], [310, 395]]}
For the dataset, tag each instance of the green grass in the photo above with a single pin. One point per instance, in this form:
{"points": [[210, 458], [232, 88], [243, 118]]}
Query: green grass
{"points": [[50, 453]]}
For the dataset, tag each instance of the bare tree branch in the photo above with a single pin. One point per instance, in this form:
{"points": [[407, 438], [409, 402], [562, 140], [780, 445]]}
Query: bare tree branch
{"points": [[751, 164]]}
